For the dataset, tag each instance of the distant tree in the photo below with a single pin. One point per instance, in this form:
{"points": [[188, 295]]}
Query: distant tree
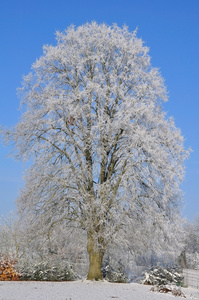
{"points": [[190, 255], [192, 236], [103, 152], [11, 239]]}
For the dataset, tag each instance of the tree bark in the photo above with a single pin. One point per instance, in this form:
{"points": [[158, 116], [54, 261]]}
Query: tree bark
{"points": [[95, 259]]}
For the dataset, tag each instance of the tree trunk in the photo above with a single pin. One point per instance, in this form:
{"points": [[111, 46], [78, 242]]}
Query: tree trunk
{"points": [[95, 260]]}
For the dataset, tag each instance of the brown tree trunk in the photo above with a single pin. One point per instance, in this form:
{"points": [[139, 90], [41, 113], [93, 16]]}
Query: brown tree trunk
{"points": [[95, 260]]}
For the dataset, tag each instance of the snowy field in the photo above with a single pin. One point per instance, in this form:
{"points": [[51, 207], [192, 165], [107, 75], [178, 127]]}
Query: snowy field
{"points": [[84, 290]]}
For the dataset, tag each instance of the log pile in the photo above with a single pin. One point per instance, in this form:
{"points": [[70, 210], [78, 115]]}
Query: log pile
{"points": [[168, 289], [7, 269]]}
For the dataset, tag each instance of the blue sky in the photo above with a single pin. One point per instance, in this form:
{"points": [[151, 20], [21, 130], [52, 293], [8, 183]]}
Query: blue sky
{"points": [[170, 28]]}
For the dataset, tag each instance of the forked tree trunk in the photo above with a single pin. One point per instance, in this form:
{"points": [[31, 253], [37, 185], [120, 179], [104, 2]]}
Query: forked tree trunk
{"points": [[95, 260]]}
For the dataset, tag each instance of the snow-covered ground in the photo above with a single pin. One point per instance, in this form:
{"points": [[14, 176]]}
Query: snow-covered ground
{"points": [[84, 290]]}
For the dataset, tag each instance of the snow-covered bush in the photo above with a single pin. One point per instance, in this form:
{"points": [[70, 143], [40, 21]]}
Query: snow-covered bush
{"points": [[46, 271], [112, 275], [161, 276], [114, 271]]}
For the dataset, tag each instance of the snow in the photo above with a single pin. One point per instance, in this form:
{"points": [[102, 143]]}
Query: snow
{"points": [[80, 290]]}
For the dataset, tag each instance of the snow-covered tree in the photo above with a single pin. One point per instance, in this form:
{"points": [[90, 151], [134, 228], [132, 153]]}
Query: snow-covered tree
{"points": [[192, 235], [189, 257], [11, 239], [103, 152]]}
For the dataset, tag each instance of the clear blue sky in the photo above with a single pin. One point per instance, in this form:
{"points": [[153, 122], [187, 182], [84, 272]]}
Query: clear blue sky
{"points": [[170, 28]]}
